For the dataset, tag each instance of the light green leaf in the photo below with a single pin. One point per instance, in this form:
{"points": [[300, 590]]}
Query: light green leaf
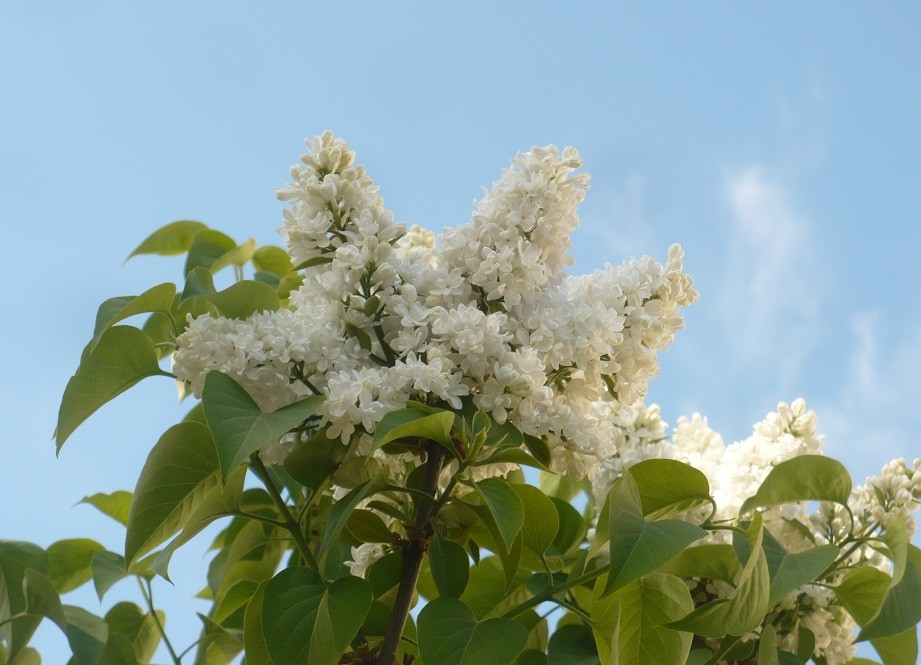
{"points": [[639, 547], [798, 569], [253, 638], [244, 299], [745, 608], [199, 282], [174, 238], [107, 569], [208, 246], [802, 478], [715, 561], [449, 634], [504, 505], [669, 487], [115, 505], [901, 609], [304, 620], [897, 540], [767, 646], [238, 256], [156, 299], [272, 259], [861, 592], [69, 562], [137, 627], [415, 424], [239, 426], [541, 520], [27, 656], [179, 474], [122, 357], [628, 625], [450, 566]]}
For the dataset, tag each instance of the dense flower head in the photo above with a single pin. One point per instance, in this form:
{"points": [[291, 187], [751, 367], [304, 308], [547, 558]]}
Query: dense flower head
{"points": [[385, 315]]}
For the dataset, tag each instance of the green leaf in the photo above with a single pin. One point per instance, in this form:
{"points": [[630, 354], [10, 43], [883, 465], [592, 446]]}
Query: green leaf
{"points": [[802, 478], [315, 461], [174, 238], [156, 299], [245, 298], [304, 620], [238, 256], [571, 529], [449, 634], [415, 424], [744, 610], [137, 627], [122, 357], [239, 426], [504, 505], [572, 644], [16, 558], [861, 592], [628, 626], [115, 505], [179, 474], [257, 652], [450, 566], [899, 649], [710, 560], [541, 520], [340, 512], [69, 562], [486, 591], [199, 282], [901, 609], [669, 487], [384, 574], [798, 569], [639, 547], [767, 646], [41, 597], [107, 568], [207, 246], [86, 633], [368, 527], [272, 259], [897, 540]]}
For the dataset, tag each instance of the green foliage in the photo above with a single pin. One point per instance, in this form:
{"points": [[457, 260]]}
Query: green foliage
{"points": [[803, 478], [450, 634]]}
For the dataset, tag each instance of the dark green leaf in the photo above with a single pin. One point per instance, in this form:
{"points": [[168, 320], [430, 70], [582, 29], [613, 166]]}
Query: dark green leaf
{"points": [[107, 568], [803, 478], [122, 357], [572, 644], [368, 527], [767, 646], [450, 566], [415, 424], [504, 505], [156, 299], [257, 652], [449, 634], [304, 620], [639, 547], [541, 520], [239, 426], [199, 282], [901, 609], [899, 649], [207, 246], [315, 461], [86, 634], [340, 513], [41, 598], [137, 627], [798, 569]]}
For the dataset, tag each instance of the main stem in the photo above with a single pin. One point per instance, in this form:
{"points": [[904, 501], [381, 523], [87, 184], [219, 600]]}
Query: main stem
{"points": [[413, 554]]}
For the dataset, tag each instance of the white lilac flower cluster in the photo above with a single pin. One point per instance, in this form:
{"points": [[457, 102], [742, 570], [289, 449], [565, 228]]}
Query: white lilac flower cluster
{"points": [[736, 471], [487, 314]]}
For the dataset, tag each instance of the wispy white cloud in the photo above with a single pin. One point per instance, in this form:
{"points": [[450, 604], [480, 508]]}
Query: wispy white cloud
{"points": [[874, 418], [770, 293]]}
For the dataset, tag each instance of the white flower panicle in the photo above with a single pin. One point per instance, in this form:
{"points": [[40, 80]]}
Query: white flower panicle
{"points": [[386, 315]]}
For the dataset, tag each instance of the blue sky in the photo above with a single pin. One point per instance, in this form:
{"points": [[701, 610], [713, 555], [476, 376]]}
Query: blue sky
{"points": [[779, 145]]}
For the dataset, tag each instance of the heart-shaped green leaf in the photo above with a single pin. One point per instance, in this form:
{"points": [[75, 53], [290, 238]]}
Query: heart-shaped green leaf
{"points": [[415, 424], [122, 357], [450, 566], [803, 478], [669, 487], [239, 426], [449, 634], [798, 569], [306, 621], [505, 506]]}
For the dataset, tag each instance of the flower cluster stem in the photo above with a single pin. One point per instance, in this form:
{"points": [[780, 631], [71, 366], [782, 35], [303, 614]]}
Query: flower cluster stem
{"points": [[413, 554]]}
